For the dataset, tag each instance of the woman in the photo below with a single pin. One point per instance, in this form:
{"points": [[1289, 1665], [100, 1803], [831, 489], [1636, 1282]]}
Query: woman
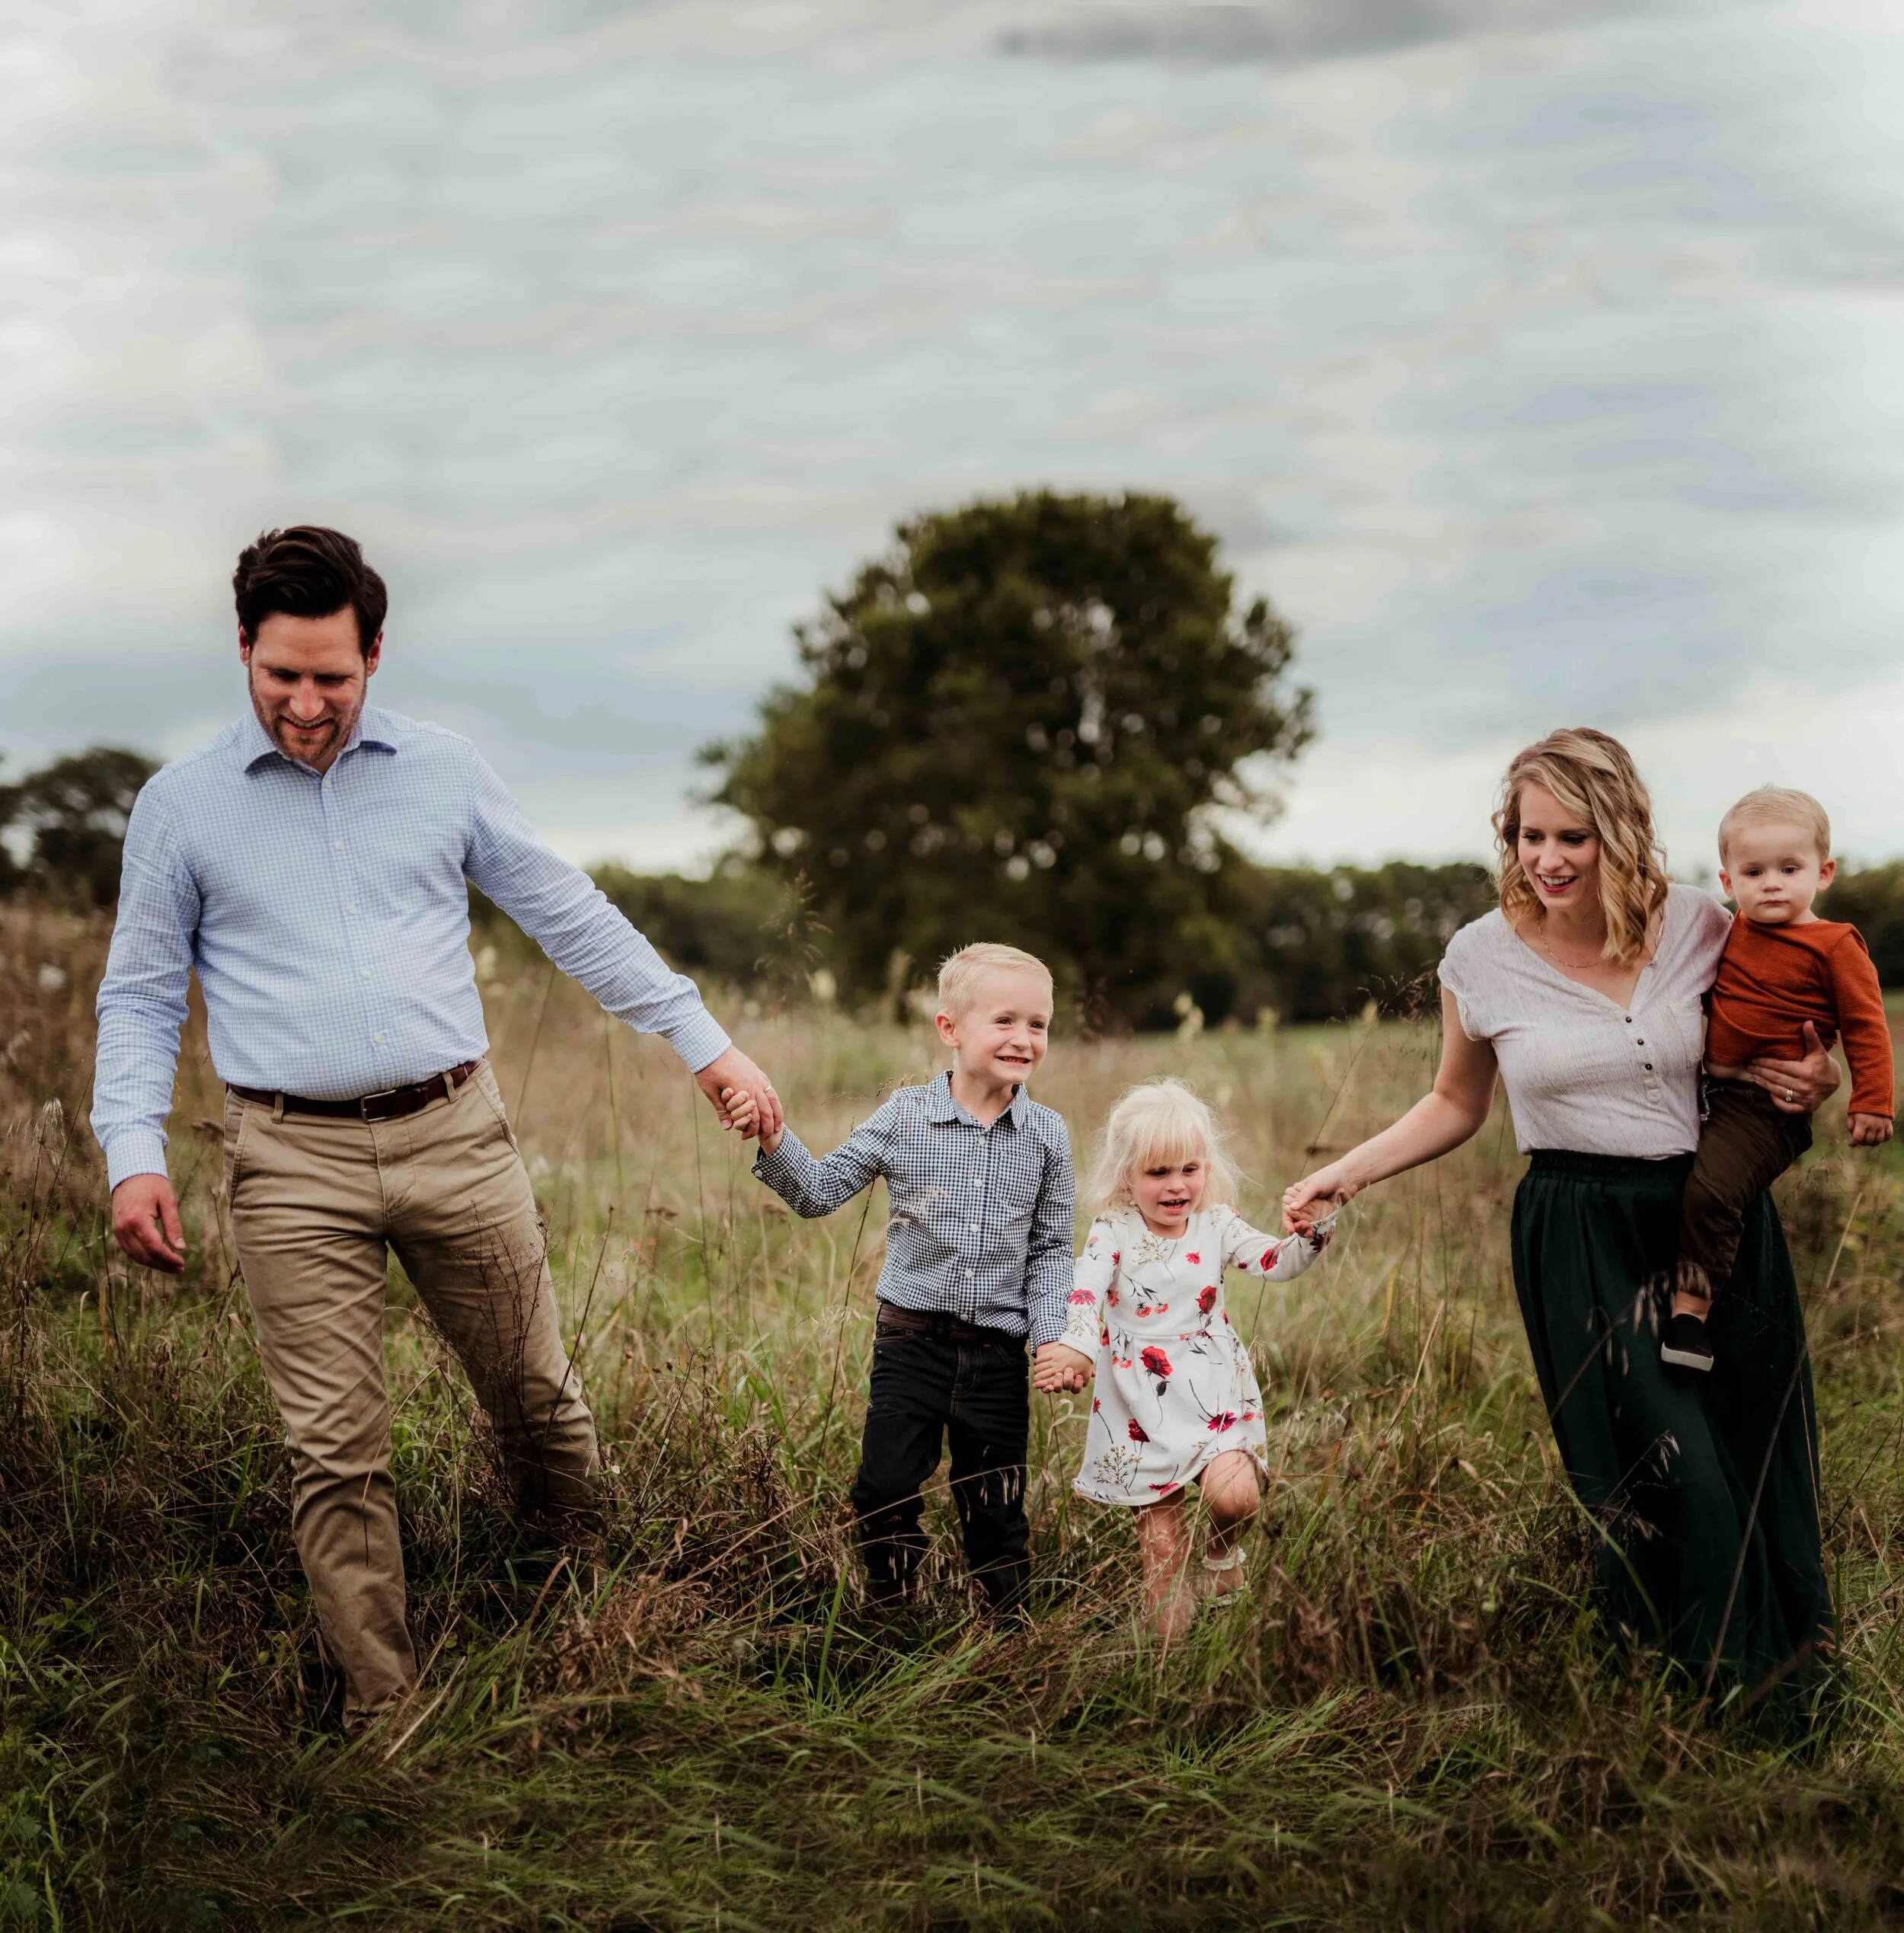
{"points": [[1582, 991]]}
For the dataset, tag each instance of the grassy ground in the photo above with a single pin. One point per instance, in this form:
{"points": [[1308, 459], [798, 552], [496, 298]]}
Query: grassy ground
{"points": [[1414, 1723]]}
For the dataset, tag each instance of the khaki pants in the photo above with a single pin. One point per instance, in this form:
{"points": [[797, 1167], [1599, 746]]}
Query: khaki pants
{"points": [[314, 1202]]}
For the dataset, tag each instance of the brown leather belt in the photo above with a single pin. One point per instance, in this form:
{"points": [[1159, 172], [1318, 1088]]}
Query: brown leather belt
{"points": [[937, 1326], [391, 1105]]}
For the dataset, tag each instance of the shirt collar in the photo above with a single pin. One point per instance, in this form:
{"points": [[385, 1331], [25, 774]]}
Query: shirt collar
{"points": [[255, 743], [940, 1108]]}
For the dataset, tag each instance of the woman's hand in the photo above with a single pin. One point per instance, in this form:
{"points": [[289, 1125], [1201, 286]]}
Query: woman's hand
{"points": [[1306, 1202], [1798, 1086]]}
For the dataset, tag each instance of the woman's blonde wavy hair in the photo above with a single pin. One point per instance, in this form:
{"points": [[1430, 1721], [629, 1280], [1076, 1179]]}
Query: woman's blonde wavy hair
{"points": [[1157, 1124], [1594, 777]]}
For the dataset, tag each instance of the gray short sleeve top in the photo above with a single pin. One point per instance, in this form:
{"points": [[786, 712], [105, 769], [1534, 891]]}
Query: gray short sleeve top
{"points": [[1581, 1071]]}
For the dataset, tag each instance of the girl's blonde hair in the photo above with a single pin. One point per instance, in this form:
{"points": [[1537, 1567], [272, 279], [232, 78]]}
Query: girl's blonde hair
{"points": [[1594, 777], [1157, 1124]]}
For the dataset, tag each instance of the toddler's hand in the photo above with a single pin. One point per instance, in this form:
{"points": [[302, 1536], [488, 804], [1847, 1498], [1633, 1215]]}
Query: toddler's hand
{"points": [[1315, 1197], [1057, 1367], [1871, 1130]]}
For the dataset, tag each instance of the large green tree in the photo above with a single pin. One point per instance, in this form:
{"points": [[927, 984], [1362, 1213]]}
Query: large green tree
{"points": [[1015, 725], [71, 817]]}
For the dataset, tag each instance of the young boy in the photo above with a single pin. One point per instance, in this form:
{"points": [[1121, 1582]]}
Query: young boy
{"points": [[1782, 966], [978, 1258]]}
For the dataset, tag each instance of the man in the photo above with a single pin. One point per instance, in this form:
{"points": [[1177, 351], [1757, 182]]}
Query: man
{"points": [[311, 861]]}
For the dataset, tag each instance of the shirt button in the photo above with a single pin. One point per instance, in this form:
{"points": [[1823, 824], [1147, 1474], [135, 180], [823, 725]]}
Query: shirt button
{"points": [[1649, 1067], [366, 972], [352, 911], [975, 1228], [336, 845], [378, 1038], [968, 1275]]}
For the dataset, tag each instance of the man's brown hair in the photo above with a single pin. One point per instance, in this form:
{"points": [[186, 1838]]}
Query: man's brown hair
{"points": [[307, 571]]}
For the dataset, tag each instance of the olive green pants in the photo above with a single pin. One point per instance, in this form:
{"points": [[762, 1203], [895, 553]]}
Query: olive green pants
{"points": [[1703, 1493], [315, 1204]]}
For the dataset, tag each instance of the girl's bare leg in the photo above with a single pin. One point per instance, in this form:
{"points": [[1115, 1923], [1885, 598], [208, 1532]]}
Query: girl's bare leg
{"points": [[1233, 1494], [1162, 1536]]}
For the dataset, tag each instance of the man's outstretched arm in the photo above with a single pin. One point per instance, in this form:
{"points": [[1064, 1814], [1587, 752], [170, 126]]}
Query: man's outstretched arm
{"points": [[570, 917]]}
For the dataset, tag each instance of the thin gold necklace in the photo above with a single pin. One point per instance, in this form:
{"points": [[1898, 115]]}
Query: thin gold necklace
{"points": [[1569, 965]]}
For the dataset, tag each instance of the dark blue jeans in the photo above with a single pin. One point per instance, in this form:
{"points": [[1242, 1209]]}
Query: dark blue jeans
{"points": [[935, 1379]]}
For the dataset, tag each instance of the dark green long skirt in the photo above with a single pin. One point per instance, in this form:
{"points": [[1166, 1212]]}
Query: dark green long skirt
{"points": [[1703, 1489]]}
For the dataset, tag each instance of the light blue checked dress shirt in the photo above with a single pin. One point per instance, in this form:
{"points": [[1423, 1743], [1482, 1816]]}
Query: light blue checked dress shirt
{"points": [[328, 917], [980, 1220]]}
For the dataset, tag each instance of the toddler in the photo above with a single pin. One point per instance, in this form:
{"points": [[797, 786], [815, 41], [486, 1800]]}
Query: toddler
{"points": [[1176, 1401], [979, 1224], [1782, 966]]}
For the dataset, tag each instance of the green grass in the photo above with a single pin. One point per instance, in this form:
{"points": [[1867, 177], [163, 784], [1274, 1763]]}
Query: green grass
{"points": [[1415, 1721]]}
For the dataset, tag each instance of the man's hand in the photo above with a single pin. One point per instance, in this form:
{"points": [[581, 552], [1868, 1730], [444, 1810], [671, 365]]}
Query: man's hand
{"points": [[1798, 1086], [145, 1223], [734, 1070], [1871, 1130], [1056, 1366], [743, 1117]]}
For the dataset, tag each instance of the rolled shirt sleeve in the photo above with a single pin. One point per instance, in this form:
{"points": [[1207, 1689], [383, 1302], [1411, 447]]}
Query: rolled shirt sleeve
{"points": [[570, 917], [142, 998]]}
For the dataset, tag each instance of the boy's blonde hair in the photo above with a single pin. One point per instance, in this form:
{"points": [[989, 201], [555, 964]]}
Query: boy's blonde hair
{"points": [[1594, 777], [960, 976], [1157, 1124], [1778, 805]]}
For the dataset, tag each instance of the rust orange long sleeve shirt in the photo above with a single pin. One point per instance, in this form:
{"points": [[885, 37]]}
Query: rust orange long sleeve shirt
{"points": [[1772, 979]]}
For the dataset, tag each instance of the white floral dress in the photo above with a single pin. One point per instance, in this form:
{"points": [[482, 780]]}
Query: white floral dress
{"points": [[1174, 1385]]}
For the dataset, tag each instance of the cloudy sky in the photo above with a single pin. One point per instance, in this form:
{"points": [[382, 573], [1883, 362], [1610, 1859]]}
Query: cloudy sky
{"points": [[1544, 361]]}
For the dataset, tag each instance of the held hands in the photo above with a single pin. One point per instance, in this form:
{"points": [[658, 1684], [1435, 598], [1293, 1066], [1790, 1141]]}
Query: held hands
{"points": [[739, 1111], [1316, 1197], [1056, 1366], [145, 1223], [731, 1073], [1871, 1130]]}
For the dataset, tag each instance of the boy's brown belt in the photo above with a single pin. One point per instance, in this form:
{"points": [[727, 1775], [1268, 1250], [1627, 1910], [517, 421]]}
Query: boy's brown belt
{"points": [[390, 1105], [940, 1327]]}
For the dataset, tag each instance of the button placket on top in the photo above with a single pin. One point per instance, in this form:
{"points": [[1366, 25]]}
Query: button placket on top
{"points": [[330, 797]]}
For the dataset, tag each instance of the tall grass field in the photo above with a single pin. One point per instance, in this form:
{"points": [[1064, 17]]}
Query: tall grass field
{"points": [[1415, 1720]]}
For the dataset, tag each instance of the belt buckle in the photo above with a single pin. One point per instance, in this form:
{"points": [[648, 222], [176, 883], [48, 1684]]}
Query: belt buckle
{"points": [[365, 1100]]}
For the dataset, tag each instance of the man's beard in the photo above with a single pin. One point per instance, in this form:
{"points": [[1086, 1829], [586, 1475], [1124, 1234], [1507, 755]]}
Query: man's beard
{"points": [[308, 750]]}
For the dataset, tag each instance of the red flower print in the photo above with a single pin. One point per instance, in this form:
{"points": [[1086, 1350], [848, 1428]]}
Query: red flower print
{"points": [[1110, 1296], [1096, 1405], [1224, 1419], [1139, 1434], [1080, 1295], [1206, 1299], [1226, 1315], [1164, 1486], [1116, 1256], [1157, 1362], [1192, 1257], [1269, 1255]]}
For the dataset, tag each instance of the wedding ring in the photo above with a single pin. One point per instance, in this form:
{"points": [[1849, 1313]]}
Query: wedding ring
{"points": [[1790, 1095]]}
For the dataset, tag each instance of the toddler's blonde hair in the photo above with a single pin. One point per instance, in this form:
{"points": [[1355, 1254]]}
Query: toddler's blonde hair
{"points": [[1157, 1124], [1594, 777], [1778, 805], [961, 975]]}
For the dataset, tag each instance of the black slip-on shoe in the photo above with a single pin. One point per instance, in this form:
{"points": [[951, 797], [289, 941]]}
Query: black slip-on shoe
{"points": [[1683, 1344]]}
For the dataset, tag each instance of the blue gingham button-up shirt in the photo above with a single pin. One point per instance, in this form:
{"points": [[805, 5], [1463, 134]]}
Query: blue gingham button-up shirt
{"points": [[328, 917], [980, 1219]]}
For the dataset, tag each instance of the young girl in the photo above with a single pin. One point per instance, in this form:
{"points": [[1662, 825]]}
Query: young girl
{"points": [[1176, 1401]]}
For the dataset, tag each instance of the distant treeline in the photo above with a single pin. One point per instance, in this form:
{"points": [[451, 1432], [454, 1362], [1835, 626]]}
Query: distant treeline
{"points": [[1302, 943], [1308, 945]]}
